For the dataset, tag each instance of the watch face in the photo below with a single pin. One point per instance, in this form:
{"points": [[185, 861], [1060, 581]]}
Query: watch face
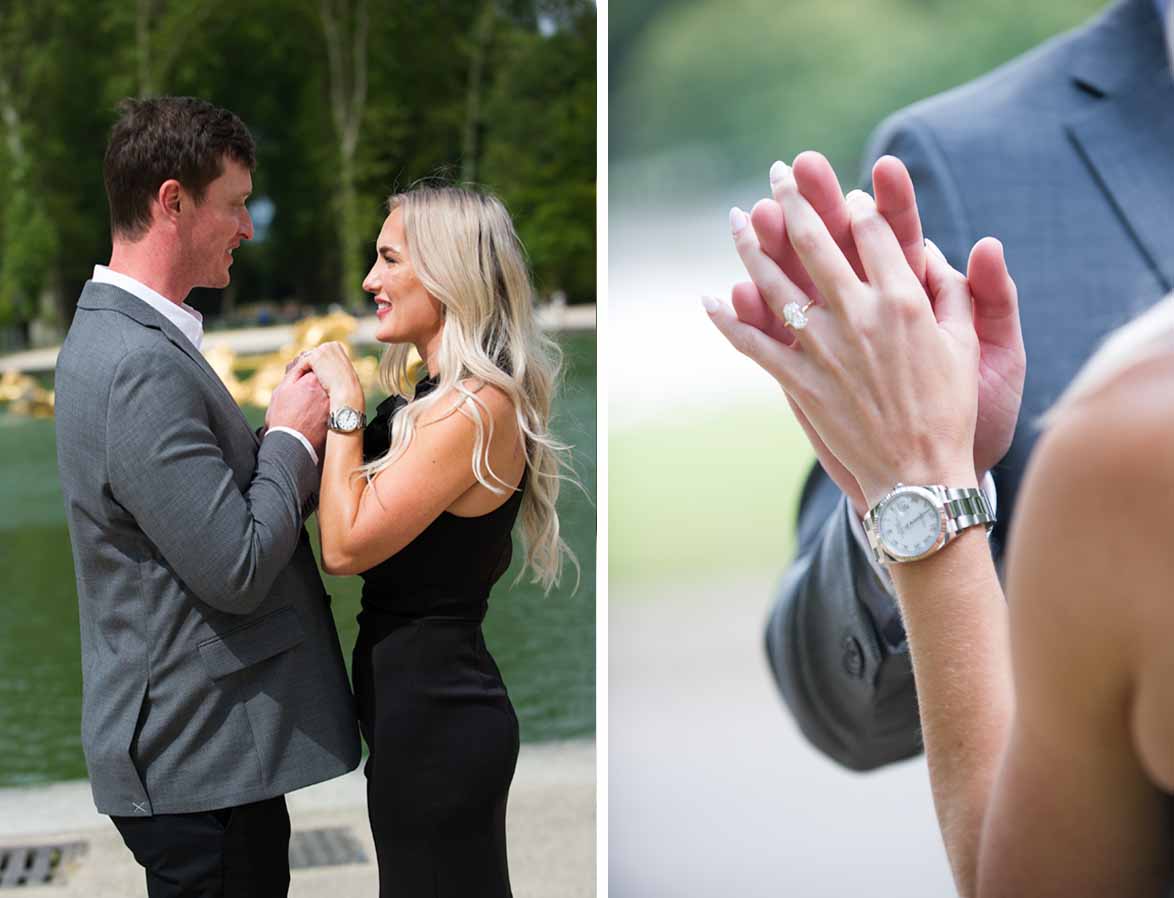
{"points": [[909, 525], [347, 419]]}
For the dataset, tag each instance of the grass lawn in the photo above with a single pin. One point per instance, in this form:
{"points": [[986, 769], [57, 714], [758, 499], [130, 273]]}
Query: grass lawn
{"points": [[710, 491]]}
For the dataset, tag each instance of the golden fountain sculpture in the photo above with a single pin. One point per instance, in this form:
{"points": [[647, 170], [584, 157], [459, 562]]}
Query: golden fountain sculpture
{"points": [[24, 396], [250, 380]]}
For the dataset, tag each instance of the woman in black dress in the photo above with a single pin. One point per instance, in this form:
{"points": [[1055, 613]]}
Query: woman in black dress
{"points": [[422, 505]]}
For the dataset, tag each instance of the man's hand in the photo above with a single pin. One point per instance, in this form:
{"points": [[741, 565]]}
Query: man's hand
{"points": [[336, 372], [300, 403], [289, 376], [1002, 358], [1002, 363]]}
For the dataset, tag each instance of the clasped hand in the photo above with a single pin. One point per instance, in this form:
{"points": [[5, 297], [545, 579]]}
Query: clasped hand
{"points": [[332, 364], [907, 371]]}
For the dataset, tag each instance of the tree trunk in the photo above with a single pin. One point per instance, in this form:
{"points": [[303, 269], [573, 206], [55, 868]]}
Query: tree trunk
{"points": [[349, 236], [470, 144], [48, 327], [348, 99], [160, 36], [11, 117], [146, 84]]}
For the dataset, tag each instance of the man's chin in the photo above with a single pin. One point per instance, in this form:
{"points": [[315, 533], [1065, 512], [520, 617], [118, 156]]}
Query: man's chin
{"points": [[218, 282]]}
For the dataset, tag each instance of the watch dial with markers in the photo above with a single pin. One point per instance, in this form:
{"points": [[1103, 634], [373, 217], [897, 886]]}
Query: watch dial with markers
{"points": [[347, 419], [909, 525]]}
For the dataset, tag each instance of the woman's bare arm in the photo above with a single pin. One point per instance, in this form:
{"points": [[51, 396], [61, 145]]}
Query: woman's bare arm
{"points": [[1073, 812], [1043, 793]]}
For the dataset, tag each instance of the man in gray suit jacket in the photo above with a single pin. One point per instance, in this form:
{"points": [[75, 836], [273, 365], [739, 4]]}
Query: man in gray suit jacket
{"points": [[213, 681], [1067, 155]]}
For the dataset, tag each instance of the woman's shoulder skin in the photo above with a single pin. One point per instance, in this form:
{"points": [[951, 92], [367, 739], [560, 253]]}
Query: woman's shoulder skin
{"points": [[1125, 433], [1092, 647], [1107, 466], [1094, 515], [505, 456]]}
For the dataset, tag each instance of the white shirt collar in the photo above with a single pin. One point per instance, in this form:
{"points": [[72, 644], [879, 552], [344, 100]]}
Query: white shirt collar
{"points": [[188, 320]]}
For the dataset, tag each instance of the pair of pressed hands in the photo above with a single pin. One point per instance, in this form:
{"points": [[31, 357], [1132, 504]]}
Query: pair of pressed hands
{"points": [[331, 364], [908, 371], [314, 383]]}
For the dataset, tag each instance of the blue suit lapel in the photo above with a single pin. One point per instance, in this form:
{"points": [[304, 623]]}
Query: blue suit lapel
{"points": [[1130, 146], [1127, 137]]}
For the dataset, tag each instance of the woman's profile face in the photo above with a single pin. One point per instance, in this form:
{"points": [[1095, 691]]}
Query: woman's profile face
{"points": [[407, 312]]}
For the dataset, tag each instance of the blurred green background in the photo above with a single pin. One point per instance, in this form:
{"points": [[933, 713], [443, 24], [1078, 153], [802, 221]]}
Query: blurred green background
{"points": [[704, 92], [704, 96], [348, 100], [713, 788]]}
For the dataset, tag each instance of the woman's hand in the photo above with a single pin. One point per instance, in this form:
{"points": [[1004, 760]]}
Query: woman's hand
{"points": [[887, 378], [1002, 363], [332, 364]]}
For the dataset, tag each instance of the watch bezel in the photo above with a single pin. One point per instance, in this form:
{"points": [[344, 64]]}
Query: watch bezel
{"points": [[354, 420], [943, 521]]}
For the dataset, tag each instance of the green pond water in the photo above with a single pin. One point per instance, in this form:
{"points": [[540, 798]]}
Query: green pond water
{"points": [[545, 645]]}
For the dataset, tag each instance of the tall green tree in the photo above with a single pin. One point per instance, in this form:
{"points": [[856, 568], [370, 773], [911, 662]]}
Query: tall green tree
{"points": [[29, 238], [162, 32], [540, 153], [501, 93]]}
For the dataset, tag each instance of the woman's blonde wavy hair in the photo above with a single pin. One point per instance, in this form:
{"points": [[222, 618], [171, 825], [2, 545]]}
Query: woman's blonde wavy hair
{"points": [[464, 250], [1146, 337]]}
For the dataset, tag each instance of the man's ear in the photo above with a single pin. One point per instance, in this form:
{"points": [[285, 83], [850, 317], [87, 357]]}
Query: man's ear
{"points": [[169, 196]]}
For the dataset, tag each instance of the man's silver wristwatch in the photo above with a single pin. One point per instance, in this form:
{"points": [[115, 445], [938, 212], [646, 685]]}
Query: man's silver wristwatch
{"points": [[913, 522], [345, 419]]}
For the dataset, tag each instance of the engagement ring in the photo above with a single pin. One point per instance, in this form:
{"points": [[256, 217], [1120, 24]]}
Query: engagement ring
{"points": [[795, 317]]}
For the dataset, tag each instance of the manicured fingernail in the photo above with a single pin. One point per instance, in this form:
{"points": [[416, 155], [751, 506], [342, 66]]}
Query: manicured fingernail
{"points": [[738, 220], [710, 303], [933, 247], [858, 196], [778, 171]]}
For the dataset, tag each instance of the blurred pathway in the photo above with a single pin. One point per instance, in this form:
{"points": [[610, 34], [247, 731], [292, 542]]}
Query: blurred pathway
{"points": [[712, 790], [662, 352], [550, 831]]}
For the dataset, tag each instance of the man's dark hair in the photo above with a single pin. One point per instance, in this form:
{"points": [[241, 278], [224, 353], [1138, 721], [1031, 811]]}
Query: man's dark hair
{"points": [[167, 137]]}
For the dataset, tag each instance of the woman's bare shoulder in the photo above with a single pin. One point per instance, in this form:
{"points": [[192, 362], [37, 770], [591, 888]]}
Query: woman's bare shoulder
{"points": [[1088, 564], [1115, 447], [1089, 550], [484, 397], [497, 400]]}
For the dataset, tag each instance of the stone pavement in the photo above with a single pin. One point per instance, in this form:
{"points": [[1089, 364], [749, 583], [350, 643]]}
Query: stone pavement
{"points": [[550, 825], [712, 791]]}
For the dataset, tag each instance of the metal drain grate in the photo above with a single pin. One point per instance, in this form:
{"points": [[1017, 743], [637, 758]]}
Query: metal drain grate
{"points": [[35, 865], [324, 848]]}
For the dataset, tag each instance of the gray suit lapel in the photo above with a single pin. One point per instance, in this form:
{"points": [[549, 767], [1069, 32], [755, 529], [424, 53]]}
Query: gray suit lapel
{"points": [[1127, 137], [107, 296]]}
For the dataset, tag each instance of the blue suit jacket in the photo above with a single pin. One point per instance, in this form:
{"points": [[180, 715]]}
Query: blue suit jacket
{"points": [[1066, 155]]}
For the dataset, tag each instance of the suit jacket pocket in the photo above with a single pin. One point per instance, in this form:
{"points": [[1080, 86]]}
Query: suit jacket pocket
{"points": [[257, 640]]}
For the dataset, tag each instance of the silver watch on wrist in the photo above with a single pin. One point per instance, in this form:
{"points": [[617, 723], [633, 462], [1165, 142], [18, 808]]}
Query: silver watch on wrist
{"points": [[914, 522], [345, 419]]}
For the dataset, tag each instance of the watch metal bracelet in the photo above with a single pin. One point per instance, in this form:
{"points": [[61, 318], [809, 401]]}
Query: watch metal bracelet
{"points": [[968, 507], [961, 508]]}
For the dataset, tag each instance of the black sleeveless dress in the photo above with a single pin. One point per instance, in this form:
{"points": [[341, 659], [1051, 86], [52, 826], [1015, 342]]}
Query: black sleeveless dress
{"points": [[442, 734]]}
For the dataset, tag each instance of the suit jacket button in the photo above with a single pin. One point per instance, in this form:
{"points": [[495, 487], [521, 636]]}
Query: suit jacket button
{"points": [[852, 657]]}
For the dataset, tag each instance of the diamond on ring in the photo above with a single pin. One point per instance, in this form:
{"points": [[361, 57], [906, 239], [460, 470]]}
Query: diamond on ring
{"points": [[794, 316]]}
